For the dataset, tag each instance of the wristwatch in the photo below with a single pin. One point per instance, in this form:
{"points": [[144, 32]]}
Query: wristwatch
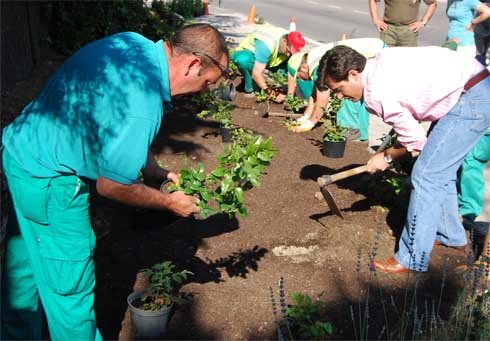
{"points": [[388, 159]]}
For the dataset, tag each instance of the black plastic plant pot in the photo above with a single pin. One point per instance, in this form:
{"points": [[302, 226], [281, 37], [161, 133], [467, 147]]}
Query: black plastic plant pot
{"points": [[226, 134], [334, 149], [147, 325], [228, 92]]}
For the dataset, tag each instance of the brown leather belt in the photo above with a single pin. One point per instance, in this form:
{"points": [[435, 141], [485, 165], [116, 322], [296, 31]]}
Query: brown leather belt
{"points": [[476, 79]]}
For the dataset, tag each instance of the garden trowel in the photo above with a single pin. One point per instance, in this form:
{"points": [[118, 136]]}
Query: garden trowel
{"points": [[324, 180]]}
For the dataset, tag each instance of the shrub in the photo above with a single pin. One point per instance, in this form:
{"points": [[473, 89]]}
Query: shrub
{"points": [[73, 24]]}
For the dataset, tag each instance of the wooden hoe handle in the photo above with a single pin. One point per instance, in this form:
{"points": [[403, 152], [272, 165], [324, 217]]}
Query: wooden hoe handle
{"points": [[328, 179]]}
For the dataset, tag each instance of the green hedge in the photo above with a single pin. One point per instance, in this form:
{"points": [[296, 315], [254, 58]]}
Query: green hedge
{"points": [[73, 24]]}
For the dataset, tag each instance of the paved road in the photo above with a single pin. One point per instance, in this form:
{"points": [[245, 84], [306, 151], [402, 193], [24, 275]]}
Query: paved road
{"points": [[326, 20]]}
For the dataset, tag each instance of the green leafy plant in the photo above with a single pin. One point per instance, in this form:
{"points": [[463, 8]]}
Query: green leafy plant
{"points": [[305, 318], [278, 78], [206, 99], [331, 130], [164, 285], [261, 96], [239, 169], [72, 24], [294, 103], [233, 70], [334, 104], [290, 123], [220, 111], [333, 133], [302, 320], [242, 136], [389, 188], [186, 8], [193, 182]]}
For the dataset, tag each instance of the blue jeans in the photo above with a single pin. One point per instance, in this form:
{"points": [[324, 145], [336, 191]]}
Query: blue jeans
{"points": [[433, 209]]}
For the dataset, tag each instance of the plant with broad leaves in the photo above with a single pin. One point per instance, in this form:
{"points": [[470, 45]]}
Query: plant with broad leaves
{"points": [[261, 96], [219, 112], [333, 133], [233, 70], [239, 169], [164, 284], [206, 99], [331, 130], [294, 103], [334, 104], [278, 78], [192, 181], [242, 136], [305, 318], [290, 123]]}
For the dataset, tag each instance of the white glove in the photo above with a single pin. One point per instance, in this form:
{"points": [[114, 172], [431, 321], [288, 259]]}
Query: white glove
{"points": [[303, 118], [305, 126]]}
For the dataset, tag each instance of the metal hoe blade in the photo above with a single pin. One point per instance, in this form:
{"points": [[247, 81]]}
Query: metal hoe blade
{"points": [[331, 202], [263, 109]]}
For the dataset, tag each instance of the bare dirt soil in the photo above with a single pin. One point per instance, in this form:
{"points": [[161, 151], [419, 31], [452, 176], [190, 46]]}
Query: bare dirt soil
{"points": [[288, 233]]}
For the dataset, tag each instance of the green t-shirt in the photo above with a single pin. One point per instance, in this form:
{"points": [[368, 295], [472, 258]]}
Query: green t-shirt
{"points": [[402, 12], [262, 52], [98, 114]]}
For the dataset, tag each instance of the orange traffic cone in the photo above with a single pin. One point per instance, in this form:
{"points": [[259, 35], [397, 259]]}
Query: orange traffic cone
{"points": [[205, 7], [292, 24], [251, 15]]}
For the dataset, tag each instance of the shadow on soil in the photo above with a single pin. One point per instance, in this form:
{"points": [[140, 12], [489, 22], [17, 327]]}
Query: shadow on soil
{"points": [[382, 307], [368, 186], [130, 240]]}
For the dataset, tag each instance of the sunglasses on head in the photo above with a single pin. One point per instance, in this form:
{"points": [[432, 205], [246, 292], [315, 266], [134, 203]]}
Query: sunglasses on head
{"points": [[225, 72]]}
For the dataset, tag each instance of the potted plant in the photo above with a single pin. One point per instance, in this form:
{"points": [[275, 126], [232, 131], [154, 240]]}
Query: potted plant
{"points": [[226, 91], [334, 139], [221, 112], [150, 311], [223, 116]]}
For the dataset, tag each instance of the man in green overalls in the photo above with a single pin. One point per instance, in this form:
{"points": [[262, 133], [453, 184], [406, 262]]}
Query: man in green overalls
{"points": [[302, 72], [472, 182], [94, 119], [268, 48]]}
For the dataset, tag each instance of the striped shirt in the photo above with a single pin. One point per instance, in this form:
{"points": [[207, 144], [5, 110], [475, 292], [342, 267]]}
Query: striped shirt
{"points": [[405, 85]]}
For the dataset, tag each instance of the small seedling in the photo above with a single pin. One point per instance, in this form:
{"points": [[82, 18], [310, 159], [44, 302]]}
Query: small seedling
{"points": [[294, 103], [261, 96], [290, 123]]}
